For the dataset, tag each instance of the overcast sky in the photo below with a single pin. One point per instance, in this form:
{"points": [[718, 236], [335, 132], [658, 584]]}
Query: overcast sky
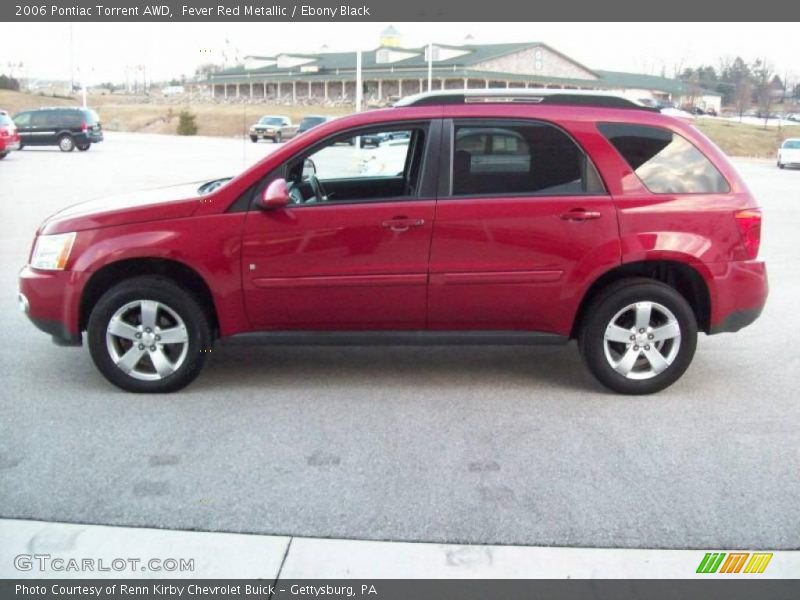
{"points": [[171, 49]]}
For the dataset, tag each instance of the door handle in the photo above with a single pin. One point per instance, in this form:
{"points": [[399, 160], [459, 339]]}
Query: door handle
{"points": [[402, 223], [580, 214]]}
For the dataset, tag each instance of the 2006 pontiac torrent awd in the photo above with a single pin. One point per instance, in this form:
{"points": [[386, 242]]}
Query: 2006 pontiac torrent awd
{"points": [[508, 217]]}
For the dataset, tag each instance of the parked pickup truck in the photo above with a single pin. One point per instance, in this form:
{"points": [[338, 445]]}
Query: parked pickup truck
{"points": [[271, 127]]}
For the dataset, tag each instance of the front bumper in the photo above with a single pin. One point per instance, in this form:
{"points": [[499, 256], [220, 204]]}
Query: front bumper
{"points": [[51, 300], [738, 294]]}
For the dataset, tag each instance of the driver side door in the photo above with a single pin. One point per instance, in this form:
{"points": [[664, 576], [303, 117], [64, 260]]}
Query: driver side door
{"points": [[353, 256]]}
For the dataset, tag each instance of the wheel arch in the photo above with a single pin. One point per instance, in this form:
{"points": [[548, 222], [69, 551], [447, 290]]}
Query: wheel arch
{"points": [[113, 273], [684, 278]]}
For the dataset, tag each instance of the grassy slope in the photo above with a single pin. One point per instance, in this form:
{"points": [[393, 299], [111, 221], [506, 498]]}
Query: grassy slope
{"points": [[738, 139], [122, 113]]}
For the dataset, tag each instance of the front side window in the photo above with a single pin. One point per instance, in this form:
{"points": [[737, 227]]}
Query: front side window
{"points": [[371, 165], [519, 158], [23, 119], [666, 162]]}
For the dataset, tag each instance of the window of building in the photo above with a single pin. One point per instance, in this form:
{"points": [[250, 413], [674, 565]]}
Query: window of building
{"points": [[666, 162]]}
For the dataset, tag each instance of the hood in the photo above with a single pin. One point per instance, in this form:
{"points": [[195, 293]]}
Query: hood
{"points": [[173, 202]]}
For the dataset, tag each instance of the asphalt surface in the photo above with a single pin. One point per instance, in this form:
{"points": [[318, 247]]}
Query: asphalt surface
{"points": [[479, 445]]}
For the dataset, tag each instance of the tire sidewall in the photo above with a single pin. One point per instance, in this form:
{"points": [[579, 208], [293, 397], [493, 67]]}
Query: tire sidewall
{"points": [[607, 306], [165, 292]]}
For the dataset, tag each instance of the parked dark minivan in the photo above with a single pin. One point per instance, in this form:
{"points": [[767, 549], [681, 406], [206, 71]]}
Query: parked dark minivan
{"points": [[67, 128]]}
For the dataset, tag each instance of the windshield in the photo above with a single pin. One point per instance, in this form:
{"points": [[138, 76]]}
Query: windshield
{"points": [[792, 144], [271, 121]]}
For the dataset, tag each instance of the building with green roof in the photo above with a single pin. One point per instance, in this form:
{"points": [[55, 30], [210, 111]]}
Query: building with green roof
{"points": [[392, 71]]}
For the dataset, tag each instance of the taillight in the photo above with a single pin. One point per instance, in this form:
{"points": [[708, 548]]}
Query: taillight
{"points": [[3, 131], [749, 222], [85, 127]]}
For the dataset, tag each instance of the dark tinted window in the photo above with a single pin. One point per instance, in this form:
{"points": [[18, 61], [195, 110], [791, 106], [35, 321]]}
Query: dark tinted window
{"points": [[71, 119], [41, 118], [502, 158], [22, 119], [665, 162]]}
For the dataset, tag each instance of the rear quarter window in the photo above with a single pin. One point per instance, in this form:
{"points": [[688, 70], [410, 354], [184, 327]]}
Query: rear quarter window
{"points": [[667, 163]]}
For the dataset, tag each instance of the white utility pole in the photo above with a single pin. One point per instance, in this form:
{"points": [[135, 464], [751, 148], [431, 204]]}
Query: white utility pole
{"points": [[430, 66], [359, 84]]}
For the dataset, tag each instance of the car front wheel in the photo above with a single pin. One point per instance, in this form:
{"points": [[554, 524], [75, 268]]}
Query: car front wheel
{"points": [[148, 334], [638, 336]]}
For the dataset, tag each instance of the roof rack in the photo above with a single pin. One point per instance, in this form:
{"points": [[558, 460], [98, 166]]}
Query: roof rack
{"points": [[524, 96]]}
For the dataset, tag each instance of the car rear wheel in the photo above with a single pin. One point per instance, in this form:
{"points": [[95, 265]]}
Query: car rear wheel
{"points": [[84, 147], [781, 166], [639, 336], [148, 334], [66, 143]]}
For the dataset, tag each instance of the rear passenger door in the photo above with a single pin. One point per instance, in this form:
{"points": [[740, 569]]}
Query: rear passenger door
{"points": [[43, 128], [522, 221]]}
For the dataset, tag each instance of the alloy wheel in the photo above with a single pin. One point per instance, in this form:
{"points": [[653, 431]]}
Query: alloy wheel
{"points": [[147, 340], [642, 340]]}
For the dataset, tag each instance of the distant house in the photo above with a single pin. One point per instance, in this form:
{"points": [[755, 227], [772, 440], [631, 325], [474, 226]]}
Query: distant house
{"points": [[391, 71], [172, 90]]}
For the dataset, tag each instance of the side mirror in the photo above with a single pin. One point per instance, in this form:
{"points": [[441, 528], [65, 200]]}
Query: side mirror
{"points": [[275, 196]]}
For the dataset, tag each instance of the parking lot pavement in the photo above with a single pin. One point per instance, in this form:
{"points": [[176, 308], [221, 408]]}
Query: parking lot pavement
{"points": [[456, 445]]}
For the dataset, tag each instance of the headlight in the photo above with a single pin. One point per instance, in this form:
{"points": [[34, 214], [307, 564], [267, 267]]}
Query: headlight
{"points": [[52, 251]]}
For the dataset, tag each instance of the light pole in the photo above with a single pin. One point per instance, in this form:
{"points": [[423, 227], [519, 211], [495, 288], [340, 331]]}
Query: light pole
{"points": [[359, 82]]}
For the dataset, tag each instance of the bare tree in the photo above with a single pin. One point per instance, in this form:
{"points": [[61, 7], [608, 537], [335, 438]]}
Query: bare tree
{"points": [[763, 76], [744, 96]]}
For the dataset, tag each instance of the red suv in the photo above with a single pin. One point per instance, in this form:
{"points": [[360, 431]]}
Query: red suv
{"points": [[9, 138], [486, 218]]}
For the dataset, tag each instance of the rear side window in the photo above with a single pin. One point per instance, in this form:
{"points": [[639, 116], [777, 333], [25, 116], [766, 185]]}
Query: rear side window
{"points": [[666, 162], [71, 119], [519, 158]]}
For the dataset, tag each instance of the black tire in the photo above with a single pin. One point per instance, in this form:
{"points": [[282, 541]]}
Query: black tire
{"points": [[253, 139], [278, 138], [84, 147], [599, 315], [3, 155], [780, 166], [176, 298], [66, 143]]}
